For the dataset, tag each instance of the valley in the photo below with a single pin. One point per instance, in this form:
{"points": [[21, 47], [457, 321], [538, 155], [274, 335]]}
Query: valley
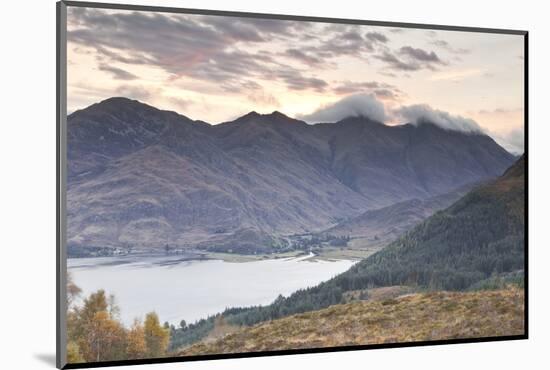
{"points": [[331, 222], [435, 255]]}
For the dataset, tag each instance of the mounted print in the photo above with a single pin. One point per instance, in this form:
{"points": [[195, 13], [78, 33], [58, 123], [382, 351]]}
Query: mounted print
{"points": [[237, 184]]}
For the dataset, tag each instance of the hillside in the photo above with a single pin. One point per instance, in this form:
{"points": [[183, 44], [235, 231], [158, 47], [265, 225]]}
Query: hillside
{"points": [[478, 238], [481, 234], [381, 226], [143, 178], [409, 318]]}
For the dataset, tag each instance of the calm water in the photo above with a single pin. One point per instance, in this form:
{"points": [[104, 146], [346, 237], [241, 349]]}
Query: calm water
{"points": [[192, 290]]}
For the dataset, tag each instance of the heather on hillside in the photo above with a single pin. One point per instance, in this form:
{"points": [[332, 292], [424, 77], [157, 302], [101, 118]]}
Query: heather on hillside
{"points": [[410, 318]]}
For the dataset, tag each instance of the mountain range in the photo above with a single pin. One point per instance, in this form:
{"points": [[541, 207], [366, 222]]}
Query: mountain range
{"points": [[145, 178]]}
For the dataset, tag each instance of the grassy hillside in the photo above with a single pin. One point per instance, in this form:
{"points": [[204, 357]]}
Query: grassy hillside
{"points": [[416, 317]]}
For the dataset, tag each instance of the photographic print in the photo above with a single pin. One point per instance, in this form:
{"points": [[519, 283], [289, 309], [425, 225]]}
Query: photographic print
{"points": [[237, 184]]}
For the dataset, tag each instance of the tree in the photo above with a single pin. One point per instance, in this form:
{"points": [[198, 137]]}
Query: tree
{"points": [[79, 319], [95, 333], [136, 346], [95, 303], [73, 353], [105, 338], [156, 337], [73, 291], [183, 324], [98, 334]]}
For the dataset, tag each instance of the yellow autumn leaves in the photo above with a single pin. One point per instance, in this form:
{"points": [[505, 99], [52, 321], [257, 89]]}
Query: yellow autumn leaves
{"points": [[95, 333]]}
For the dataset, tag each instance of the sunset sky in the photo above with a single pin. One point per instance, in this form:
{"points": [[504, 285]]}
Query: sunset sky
{"points": [[216, 69]]}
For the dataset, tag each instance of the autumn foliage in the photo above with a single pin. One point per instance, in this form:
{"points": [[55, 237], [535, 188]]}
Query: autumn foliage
{"points": [[96, 334]]}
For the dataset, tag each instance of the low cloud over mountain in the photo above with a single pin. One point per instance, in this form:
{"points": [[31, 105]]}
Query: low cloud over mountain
{"points": [[367, 105], [359, 105], [421, 113], [513, 141]]}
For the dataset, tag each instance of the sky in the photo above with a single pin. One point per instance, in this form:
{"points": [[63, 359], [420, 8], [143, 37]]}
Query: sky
{"points": [[216, 68]]}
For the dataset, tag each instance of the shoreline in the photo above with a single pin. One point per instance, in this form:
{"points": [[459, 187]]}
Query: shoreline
{"points": [[193, 255]]}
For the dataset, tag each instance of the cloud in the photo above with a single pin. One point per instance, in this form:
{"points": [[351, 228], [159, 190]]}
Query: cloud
{"points": [[431, 33], [199, 47], [388, 74], [397, 64], [376, 37], [381, 90], [205, 48], [445, 45], [352, 36], [245, 29], [513, 141], [456, 75], [254, 92], [180, 103], [117, 73], [411, 59], [359, 105], [215, 49], [133, 92], [263, 98], [423, 113], [420, 55], [386, 94], [349, 87], [500, 111], [296, 81], [342, 40], [174, 44], [303, 57]]}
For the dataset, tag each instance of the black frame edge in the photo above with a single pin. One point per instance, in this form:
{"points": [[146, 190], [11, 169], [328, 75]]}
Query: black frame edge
{"points": [[61, 89]]}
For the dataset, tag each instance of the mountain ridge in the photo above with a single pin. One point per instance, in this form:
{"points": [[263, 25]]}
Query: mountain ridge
{"points": [[135, 167]]}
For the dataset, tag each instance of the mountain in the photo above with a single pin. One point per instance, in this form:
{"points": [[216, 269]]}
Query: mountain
{"points": [[380, 226], [416, 161], [477, 242], [410, 318], [142, 178], [117, 127]]}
